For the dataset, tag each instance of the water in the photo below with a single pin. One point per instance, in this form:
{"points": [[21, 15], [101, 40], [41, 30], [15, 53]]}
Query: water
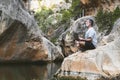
{"points": [[28, 71]]}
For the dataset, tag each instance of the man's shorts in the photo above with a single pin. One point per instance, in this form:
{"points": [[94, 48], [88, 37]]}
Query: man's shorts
{"points": [[88, 45]]}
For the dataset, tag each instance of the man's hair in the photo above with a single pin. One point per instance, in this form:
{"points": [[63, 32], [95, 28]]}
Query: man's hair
{"points": [[91, 21]]}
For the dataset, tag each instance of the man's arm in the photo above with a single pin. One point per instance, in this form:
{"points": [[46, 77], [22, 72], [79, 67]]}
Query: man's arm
{"points": [[89, 39]]}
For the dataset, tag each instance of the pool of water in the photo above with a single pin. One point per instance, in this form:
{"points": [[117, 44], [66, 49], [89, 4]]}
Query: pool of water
{"points": [[28, 71]]}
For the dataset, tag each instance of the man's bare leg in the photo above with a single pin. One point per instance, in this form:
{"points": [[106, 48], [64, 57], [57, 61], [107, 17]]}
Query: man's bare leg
{"points": [[82, 43]]}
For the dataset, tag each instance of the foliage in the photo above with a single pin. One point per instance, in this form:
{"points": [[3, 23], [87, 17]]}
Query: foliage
{"points": [[66, 1], [116, 14], [54, 19], [66, 15], [106, 19], [76, 9], [73, 12], [47, 18], [54, 39], [41, 16]]}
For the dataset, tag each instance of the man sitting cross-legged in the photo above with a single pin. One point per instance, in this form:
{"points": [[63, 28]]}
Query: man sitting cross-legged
{"points": [[90, 41]]}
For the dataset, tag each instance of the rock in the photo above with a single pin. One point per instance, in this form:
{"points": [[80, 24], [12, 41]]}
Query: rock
{"points": [[91, 7], [16, 45], [21, 39], [95, 64]]}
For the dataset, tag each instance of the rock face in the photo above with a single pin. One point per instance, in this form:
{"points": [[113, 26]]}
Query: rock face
{"points": [[93, 64], [67, 39], [21, 39], [92, 6]]}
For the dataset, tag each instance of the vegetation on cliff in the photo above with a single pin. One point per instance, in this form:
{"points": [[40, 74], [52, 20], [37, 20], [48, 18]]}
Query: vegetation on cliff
{"points": [[50, 19], [41, 16], [105, 19]]}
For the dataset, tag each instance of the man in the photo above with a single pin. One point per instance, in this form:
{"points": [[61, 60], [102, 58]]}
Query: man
{"points": [[90, 41]]}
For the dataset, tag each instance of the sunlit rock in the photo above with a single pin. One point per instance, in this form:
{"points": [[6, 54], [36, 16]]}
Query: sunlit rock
{"points": [[98, 63]]}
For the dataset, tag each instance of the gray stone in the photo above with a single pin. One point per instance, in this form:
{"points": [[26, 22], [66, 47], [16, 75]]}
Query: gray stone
{"points": [[21, 39]]}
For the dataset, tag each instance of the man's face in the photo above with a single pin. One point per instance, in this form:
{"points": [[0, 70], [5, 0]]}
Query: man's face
{"points": [[88, 23]]}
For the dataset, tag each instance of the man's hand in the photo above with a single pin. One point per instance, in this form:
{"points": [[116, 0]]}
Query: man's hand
{"points": [[89, 39], [77, 43], [81, 39]]}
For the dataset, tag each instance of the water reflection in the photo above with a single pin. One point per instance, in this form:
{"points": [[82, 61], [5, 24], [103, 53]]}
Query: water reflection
{"points": [[28, 72]]}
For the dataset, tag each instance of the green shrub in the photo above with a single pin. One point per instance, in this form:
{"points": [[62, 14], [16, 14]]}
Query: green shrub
{"points": [[66, 15], [54, 39], [116, 14], [76, 9], [41, 16], [67, 1], [105, 19]]}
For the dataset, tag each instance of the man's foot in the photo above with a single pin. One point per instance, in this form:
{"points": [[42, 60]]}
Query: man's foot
{"points": [[82, 49], [77, 43]]}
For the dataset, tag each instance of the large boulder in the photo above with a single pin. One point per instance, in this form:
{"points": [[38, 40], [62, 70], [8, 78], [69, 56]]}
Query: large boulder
{"points": [[96, 64], [21, 39]]}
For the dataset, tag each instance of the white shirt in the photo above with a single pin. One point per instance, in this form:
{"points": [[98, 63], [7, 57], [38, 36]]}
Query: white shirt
{"points": [[91, 33]]}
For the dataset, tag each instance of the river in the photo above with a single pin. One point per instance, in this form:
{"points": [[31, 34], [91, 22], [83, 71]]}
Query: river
{"points": [[28, 71]]}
